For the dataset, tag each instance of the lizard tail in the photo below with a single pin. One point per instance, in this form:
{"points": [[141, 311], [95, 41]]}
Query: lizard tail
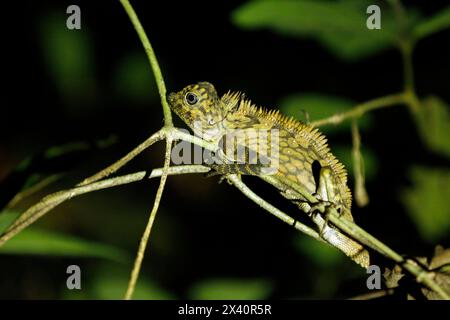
{"points": [[350, 247]]}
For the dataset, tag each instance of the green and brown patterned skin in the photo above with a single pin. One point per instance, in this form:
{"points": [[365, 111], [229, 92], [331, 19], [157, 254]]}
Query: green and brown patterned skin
{"points": [[300, 148]]}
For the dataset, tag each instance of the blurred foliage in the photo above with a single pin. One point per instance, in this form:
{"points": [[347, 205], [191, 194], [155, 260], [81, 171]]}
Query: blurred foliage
{"points": [[319, 106], [33, 241], [108, 282], [433, 122], [427, 201], [320, 254], [133, 78], [434, 24], [231, 289], [344, 154], [69, 59], [335, 24]]}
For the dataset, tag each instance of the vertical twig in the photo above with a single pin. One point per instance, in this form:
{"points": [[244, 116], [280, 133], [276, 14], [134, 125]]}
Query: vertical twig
{"points": [[145, 236], [361, 196], [153, 61]]}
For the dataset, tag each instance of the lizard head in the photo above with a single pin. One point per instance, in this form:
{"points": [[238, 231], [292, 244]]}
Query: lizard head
{"points": [[199, 106]]}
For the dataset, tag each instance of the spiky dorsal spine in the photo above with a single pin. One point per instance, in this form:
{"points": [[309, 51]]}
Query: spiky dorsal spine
{"points": [[235, 102]]}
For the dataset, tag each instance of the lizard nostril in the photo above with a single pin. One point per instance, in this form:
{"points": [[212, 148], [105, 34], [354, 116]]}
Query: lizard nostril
{"points": [[170, 97]]}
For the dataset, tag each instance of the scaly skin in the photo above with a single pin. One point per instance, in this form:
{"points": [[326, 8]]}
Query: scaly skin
{"points": [[290, 150]]}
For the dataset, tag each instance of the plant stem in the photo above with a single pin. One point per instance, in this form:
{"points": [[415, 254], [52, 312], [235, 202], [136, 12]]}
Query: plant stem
{"points": [[361, 196], [359, 110], [153, 61], [49, 202], [237, 182], [157, 136], [146, 235]]}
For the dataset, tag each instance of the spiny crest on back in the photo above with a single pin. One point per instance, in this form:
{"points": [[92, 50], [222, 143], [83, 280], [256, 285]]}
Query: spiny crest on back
{"points": [[237, 103]]}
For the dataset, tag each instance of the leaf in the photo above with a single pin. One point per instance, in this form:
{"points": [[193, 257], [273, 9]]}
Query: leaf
{"points": [[72, 147], [437, 23], [339, 25], [321, 254], [34, 241], [344, 154], [427, 201], [104, 281], [230, 289], [68, 55], [6, 218], [433, 121], [320, 106], [133, 78], [112, 285]]}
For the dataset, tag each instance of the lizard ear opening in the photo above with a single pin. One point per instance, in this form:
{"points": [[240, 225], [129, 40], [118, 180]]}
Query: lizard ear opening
{"points": [[316, 167]]}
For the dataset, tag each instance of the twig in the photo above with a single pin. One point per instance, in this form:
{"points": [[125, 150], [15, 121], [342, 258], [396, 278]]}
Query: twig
{"points": [[49, 202], [361, 196], [160, 135], [145, 236], [359, 110], [373, 295], [356, 232], [153, 61], [237, 182], [32, 190]]}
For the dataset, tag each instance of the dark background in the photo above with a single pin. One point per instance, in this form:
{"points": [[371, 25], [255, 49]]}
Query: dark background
{"points": [[204, 231]]}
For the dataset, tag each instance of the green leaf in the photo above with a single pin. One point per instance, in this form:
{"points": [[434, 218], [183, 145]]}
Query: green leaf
{"points": [[68, 55], [6, 218], [321, 254], [428, 201], [57, 151], [433, 121], [41, 242], [112, 285], [339, 25], [344, 154], [231, 289], [437, 23], [133, 78], [320, 106], [104, 281]]}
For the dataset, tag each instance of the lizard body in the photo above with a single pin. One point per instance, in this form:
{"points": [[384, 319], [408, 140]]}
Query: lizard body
{"points": [[293, 150]]}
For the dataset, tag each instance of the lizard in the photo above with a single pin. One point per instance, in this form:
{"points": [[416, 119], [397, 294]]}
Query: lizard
{"points": [[299, 158]]}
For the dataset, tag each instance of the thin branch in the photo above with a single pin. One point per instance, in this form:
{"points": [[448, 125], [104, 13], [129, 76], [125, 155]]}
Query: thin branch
{"points": [[157, 136], [237, 182], [49, 202], [373, 295], [32, 190], [153, 61], [359, 110], [361, 196], [145, 236], [422, 276]]}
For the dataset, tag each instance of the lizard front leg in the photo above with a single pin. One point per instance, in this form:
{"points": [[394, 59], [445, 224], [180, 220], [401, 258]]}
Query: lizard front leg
{"points": [[328, 196]]}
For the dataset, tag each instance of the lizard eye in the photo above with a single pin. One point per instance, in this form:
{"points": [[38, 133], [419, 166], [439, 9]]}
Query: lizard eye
{"points": [[191, 98]]}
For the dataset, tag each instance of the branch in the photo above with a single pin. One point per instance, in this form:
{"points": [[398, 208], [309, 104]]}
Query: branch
{"points": [[153, 61], [157, 136], [359, 110], [237, 182], [361, 196], [145, 236], [421, 275], [49, 202]]}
